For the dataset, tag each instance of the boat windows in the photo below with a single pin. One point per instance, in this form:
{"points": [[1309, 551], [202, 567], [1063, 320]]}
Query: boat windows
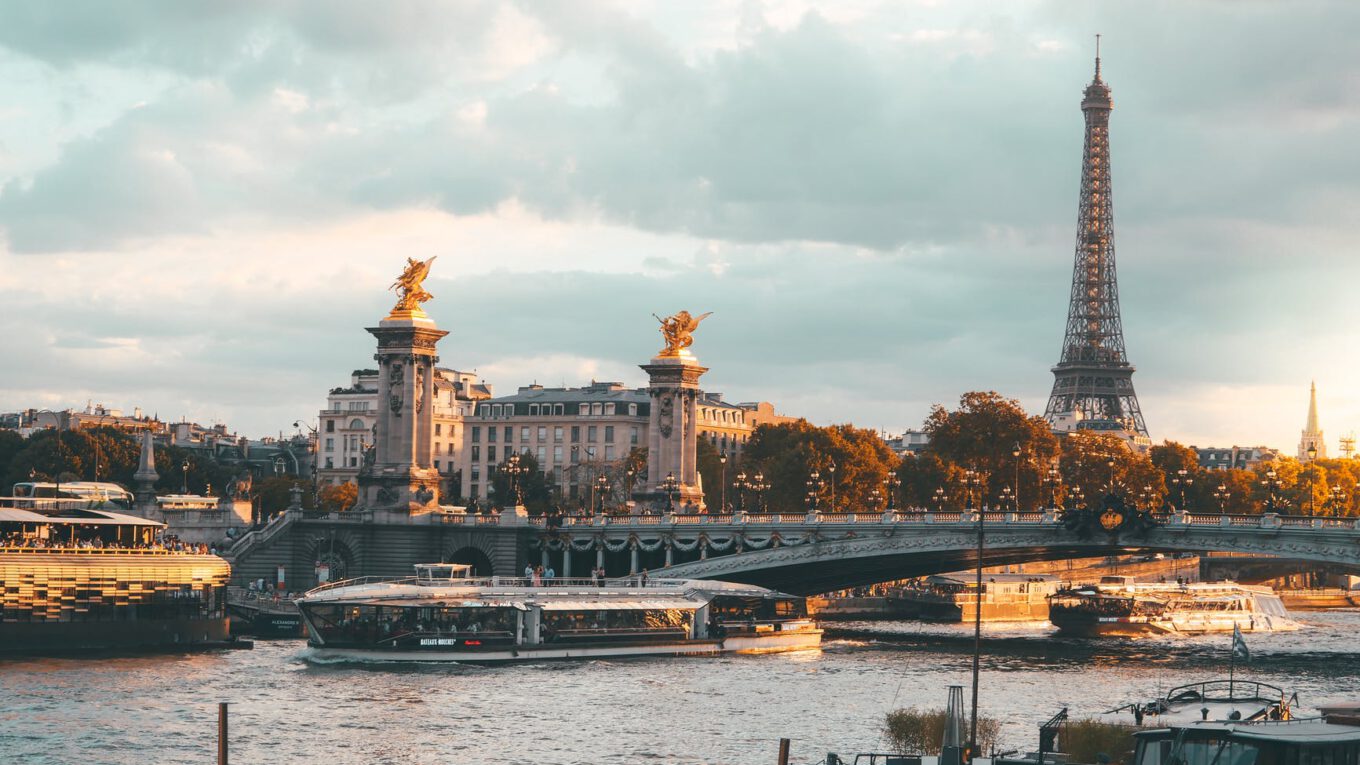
{"points": [[391, 625], [650, 624]]}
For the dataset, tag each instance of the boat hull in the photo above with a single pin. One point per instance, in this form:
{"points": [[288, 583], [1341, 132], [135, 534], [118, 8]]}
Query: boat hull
{"points": [[752, 644], [65, 637], [1135, 626]]}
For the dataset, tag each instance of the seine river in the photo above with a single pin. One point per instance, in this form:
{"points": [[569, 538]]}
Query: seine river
{"points": [[287, 709]]}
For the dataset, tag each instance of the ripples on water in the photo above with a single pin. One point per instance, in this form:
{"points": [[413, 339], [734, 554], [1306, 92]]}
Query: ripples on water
{"points": [[286, 708]]}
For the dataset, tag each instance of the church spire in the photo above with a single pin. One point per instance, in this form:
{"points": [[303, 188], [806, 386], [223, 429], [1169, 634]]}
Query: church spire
{"points": [[1312, 433]]}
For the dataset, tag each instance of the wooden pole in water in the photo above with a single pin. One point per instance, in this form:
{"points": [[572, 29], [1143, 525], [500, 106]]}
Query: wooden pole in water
{"points": [[222, 733], [783, 751]]}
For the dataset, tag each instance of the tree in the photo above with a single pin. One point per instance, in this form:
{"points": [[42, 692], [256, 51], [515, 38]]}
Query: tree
{"points": [[983, 433], [711, 473], [338, 498], [925, 474], [787, 453], [1101, 463]]}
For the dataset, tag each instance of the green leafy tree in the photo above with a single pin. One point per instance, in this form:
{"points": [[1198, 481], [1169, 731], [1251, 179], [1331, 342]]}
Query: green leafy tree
{"points": [[787, 453], [11, 443], [983, 434], [102, 453], [928, 482]]}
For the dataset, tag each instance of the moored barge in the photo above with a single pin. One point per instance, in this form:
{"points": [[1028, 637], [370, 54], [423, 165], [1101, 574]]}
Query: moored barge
{"points": [[1120, 607], [74, 578]]}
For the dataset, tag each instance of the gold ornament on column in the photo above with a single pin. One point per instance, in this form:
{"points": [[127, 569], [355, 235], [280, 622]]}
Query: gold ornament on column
{"points": [[678, 332], [409, 289]]}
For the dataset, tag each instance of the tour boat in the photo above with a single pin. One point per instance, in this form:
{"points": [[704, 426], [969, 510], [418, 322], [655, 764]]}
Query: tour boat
{"points": [[444, 614], [1118, 606], [953, 597], [1327, 739], [76, 578]]}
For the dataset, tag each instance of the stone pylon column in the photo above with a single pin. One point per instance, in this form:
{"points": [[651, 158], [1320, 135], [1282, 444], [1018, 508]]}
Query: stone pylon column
{"points": [[144, 480], [399, 476], [673, 429]]}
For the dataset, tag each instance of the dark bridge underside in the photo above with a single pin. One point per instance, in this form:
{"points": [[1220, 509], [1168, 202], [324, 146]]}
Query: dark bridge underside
{"points": [[815, 577]]}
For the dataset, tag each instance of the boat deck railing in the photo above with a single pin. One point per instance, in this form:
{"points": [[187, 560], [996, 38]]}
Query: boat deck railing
{"points": [[100, 551], [514, 582]]}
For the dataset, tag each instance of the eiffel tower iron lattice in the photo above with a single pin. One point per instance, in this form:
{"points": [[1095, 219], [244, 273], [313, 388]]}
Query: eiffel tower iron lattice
{"points": [[1093, 381]]}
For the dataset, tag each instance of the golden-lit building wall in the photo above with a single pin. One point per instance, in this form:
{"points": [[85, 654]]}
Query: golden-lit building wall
{"points": [[45, 586]]}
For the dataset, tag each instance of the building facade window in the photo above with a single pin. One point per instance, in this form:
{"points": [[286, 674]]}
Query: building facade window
{"points": [[584, 410], [608, 410], [509, 433], [576, 434], [597, 409], [542, 455], [438, 428], [609, 434], [490, 454], [330, 426], [330, 444], [557, 434], [632, 410], [542, 433], [476, 454], [633, 436], [592, 433], [609, 452], [524, 434], [557, 455], [476, 434]]}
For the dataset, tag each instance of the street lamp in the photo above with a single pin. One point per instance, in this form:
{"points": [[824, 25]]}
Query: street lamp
{"points": [[1312, 475], [740, 485], [1055, 481], [971, 481], [722, 460], [1015, 452], [1337, 500], [891, 485], [1272, 485], [1182, 481], [1110, 462], [939, 499], [602, 485], [759, 485], [1222, 495], [833, 486], [875, 497], [1006, 496], [514, 470], [814, 486], [185, 468], [1076, 498], [669, 485]]}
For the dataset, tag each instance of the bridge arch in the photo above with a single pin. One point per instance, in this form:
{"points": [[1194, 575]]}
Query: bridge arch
{"points": [[474, 556]]}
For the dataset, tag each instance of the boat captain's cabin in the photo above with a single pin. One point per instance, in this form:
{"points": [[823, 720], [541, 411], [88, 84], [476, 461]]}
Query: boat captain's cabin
{"points": [[439, 573]]}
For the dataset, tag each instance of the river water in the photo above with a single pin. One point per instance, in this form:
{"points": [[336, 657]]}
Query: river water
{"points": [[287, 708]]}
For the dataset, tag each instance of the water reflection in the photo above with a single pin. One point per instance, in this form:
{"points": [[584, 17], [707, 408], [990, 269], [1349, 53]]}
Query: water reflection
{"points": [[728, 709]]}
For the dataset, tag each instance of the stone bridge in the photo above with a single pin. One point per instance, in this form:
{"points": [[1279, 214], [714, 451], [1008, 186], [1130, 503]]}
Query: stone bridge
{"points": [[808, 554], [799, 553]]}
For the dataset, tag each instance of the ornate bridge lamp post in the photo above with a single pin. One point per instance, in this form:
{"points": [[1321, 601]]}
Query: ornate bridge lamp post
{"points": [[722, 460], [759, 485], [1337, 500], [833, 486], [602, 490], [1076, 498], [628, 482], [891, 485], [939, 499], [1181, 482], [1016, 452], [514, 470], [875, 497], [1055, 481], [1109, 462], [814, 487], [971, 482], [1272, 485], [670, 486], [1222, 495], [740, 486], [184, 489], [1007, 496]]}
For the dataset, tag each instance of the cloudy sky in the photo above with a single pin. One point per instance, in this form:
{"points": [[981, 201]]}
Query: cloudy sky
{"points": [[202, 203]]}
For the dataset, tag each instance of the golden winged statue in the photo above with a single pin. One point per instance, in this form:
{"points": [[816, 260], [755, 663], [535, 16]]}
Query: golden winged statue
{"points": [[410, 293], [678, 331]]}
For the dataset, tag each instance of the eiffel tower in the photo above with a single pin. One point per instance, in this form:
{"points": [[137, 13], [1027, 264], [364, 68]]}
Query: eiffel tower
{"points": [[1093, 382]]}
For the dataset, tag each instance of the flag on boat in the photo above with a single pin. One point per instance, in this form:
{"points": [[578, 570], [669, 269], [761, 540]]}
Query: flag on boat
{"points": [[1239, 647]]}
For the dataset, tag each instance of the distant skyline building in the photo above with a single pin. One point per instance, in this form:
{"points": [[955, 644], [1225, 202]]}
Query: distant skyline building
{"points": [[1312, 432], [1093, 380]]}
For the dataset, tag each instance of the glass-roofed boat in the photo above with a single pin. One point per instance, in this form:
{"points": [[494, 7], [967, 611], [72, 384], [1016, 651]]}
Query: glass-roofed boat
{"points": [[444, 614]]}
